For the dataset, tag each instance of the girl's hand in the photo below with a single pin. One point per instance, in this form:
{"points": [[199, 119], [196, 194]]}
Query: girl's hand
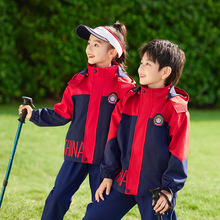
{"points": [[29, 110], [106, 184], [162, 204]]}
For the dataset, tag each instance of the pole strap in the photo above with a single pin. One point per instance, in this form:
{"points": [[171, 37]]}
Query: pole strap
{"points": [[169, 202]]}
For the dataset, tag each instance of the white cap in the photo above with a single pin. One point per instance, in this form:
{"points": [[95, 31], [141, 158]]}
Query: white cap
{"points": [[102, 33]]}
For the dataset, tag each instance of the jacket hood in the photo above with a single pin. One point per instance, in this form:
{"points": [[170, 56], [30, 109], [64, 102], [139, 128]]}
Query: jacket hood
{"points": [[179, 99], [175, 91]]}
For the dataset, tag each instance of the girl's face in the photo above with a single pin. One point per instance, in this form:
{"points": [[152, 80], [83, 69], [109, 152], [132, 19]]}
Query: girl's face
{"points": [[149, 73], [99, 52]]}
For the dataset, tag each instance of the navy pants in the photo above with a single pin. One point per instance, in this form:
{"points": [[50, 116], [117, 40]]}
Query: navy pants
{"points": [[68, 181], [117, 204]]}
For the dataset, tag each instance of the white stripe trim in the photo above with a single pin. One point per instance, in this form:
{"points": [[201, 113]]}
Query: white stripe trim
{"points": [[112, 39]]}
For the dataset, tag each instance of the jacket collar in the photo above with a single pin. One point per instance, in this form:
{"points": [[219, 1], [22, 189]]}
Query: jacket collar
{"points": [[112, 72], [160, 93], [106, 72], [169, 91]]}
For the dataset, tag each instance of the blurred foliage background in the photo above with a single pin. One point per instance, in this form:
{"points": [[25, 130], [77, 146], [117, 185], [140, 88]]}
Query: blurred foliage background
{"points": [[40, 51]]}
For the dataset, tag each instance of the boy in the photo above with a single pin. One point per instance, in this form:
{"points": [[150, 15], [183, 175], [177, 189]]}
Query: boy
{"points": [[148, 140]]}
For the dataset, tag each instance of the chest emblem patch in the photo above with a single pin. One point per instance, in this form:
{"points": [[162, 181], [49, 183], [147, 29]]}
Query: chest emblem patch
{"points": [[158, 120], [112, 98]]}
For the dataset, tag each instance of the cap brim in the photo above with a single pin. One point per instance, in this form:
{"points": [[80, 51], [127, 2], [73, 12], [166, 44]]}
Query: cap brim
{"points": [[84, 32]]}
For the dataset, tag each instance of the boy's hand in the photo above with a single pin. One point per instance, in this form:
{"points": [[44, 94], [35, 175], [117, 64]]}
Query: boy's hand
{"points": [[106, 184], [162, 204], [29, 110]]}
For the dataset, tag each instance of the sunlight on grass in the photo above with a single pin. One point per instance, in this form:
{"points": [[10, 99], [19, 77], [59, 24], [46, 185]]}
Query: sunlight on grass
{"points": [[39, 157]]}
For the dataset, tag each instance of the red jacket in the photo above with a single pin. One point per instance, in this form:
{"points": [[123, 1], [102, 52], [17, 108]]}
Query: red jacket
{"points": [[148, 141], [88, 102]]}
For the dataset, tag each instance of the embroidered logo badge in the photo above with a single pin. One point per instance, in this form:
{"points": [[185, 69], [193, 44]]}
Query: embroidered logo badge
{"points": [[158, 120], [112, 98]]}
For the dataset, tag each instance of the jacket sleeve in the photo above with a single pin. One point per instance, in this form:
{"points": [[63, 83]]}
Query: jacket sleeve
{"points": [[175, 175], [60, 115], [111, 165]]}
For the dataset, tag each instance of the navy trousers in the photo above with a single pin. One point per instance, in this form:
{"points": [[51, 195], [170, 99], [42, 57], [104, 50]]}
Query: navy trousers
{"points": [[117, 204], [68, 181]]}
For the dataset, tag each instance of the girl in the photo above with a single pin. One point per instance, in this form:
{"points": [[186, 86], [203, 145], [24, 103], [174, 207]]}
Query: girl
{"points": [[88, 102]]}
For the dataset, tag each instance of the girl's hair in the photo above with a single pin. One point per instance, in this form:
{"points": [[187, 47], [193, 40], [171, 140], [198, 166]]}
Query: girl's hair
{"points": [[120, 31]]}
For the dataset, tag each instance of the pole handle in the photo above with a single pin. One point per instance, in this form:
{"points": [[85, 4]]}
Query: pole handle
{"points": [[26, 101], [155, 196]]}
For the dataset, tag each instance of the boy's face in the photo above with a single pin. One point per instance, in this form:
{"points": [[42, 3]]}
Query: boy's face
{"points": [[149, 73], [98, 52]]}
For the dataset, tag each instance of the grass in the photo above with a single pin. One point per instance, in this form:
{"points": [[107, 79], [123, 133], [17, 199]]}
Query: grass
{"points": [[39, 157]]}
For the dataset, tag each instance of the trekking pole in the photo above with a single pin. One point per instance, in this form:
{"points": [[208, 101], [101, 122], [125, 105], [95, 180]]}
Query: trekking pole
{"points": [[26, 101], [155, 196]]}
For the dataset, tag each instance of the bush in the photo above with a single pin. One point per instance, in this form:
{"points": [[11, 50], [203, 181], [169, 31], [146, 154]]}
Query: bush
{"points": [[40, 51], [9, 69]]}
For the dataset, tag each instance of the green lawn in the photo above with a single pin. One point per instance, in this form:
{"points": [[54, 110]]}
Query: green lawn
{"points": [[39, 156]]}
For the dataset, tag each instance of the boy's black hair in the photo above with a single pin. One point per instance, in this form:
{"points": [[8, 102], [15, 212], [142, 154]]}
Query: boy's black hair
{"points": [[166, 53]]}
